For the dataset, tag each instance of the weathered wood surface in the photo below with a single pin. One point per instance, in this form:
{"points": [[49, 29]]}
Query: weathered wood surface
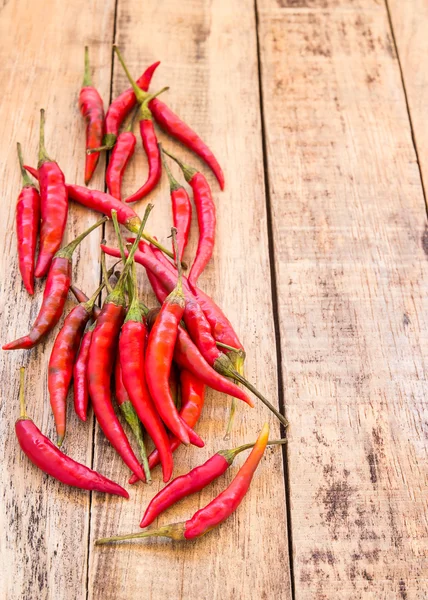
{"points": [[348, 219]]}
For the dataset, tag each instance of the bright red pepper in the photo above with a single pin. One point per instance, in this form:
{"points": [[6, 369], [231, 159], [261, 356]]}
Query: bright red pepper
{"points": [[121, 154], [54, 205], [80, 379], [181, 210], [48, 458], [92, 110], [27, 226], [55, 294]]}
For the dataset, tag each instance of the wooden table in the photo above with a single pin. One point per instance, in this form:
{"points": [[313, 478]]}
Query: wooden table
{"points": [[317, 110]]}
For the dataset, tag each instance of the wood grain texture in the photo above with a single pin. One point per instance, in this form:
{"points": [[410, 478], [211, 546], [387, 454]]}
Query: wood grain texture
{"points": [[209, 59], [43, 545], [410, 22], [348, 220]]}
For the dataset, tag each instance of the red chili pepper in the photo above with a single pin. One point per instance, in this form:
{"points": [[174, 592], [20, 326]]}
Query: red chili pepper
{"points": [[122, 152], [27, 226], [33, 172], [205, 209], [55, 294], [192, 396], [82, 297], [92, 110], [54, 205], [101, 361], [47, 457], [62, 359], [80, 385], [219, 509], [181, 209], [160, 349]]}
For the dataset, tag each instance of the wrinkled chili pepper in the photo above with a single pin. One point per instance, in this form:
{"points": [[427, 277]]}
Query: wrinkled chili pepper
{"points": [[181, 209], [206, 212], [62, 359], [92, 110], [27, 226], [122, 153], [160, 349], [218, 510], [48, 458], [101, 362], [122, 106], [192, 397], [54, 205], [80, 379], [55, 294]]}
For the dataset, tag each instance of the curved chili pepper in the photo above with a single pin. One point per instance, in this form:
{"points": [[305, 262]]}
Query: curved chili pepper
{"points": [[27, 226], [47, 457], [82, 297], [62, 359], [92, 110], [33, 172], [122, 153], [219, 509], [181, 209], [192, 395], [101, 362], [80, 379], [205, 209], [55, 294], [54, 205]]}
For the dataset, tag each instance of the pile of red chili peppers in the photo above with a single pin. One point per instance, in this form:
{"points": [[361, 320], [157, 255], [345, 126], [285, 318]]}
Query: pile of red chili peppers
{"points": [[162, 358]]}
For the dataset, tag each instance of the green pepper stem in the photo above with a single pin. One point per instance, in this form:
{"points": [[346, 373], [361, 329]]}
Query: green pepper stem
{"points": [[133, 421], [188, 171], [67, 251], [145, 112], [139, 93], [134, 248], [179, 286], [43, 155], [237, 357], [25, 177], [118, 234], [99, 149], [104, 271], [175, 531], [173, 183], [23, 414], [154, 242], [87, 81], [130, 125], [230, 455]]}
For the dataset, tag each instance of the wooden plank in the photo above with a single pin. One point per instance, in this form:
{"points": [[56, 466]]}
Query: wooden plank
{"points": [[209, 59], [44, 525], [410, 22], [348, 217]]}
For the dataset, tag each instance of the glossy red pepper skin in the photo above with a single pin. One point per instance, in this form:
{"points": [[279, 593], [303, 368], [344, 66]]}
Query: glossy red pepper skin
{"points": [[150, 144], [47, 457], [100, 366], [27, 228], [173, 125], [54, 210], [92, 110], [54, 297], [192, 403], [61, 364], [132, 344], [182, 217], [80, 379], [121, 154], [123, 104]]}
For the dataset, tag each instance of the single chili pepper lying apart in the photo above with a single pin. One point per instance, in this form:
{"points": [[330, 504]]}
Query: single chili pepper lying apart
{"points": [[47, 457], [122, 153], [27, 226], [181, 209], [196, 480], [62, 359], [122, 106], [92, 110], [55, 294], [148, 136], [101, 362], [192, 395], [80, 379], [54, 205], [205, 209], [160, 349], [216, 511]]}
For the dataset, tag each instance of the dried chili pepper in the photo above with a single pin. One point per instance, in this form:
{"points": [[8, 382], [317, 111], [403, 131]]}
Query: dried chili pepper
{"points": [[27, 226], [54, 205], [181, 209], [62, 359], [160, 349], [122, 106], [80, 380], [218, 510], [206, 212], [92, 110], [101, 362], [55, 294], [122, 153], [192, 397], [47, 457]]}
